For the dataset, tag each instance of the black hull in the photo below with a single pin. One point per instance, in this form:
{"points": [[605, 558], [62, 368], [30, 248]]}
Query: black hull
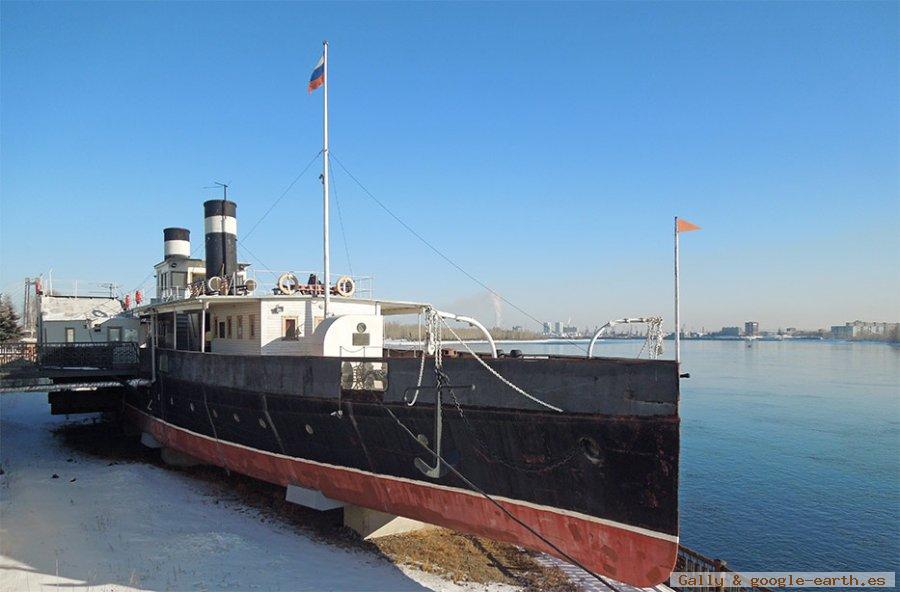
{"points": [[611, 455]]}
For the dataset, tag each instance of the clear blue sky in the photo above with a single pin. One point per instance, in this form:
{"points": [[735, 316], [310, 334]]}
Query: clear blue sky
{"points": [[545, 147]]}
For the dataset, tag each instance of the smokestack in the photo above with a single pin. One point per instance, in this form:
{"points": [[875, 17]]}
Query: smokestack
{"points": [[176, 243], [221, 237]]}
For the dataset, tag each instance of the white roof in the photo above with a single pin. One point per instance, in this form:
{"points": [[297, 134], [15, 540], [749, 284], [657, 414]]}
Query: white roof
{"points": [[388, 307], [79, 308]]}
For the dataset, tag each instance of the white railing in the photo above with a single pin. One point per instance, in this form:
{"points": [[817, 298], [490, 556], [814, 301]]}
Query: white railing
{"points": [[365, 284]]}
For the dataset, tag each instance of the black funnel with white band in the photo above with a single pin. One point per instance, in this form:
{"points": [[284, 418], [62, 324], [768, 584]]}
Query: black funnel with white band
{"points": [[176, 243], [221, 237]]}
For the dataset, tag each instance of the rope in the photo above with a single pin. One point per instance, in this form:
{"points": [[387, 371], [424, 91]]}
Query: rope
{"points": [[341, 220], [499, 506], [497, 374], [419, 381], [434, 342], [440, 253], [283, 193]]}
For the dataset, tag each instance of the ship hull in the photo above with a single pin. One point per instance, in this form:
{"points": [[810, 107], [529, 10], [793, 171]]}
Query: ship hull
{"points": [[600, 487]]}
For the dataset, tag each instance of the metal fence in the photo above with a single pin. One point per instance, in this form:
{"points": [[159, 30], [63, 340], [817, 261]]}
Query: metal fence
{"points": [[107, 355], [691, 561], [17, 354], [116, 355]]}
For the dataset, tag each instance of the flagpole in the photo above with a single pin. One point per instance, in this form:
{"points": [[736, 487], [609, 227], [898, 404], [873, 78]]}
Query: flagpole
{"points": [[325, 241], [677, 303]]}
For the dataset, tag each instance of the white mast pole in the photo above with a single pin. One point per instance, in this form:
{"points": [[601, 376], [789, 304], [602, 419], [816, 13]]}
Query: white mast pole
{"points": [[325, 180], [677, 303]]}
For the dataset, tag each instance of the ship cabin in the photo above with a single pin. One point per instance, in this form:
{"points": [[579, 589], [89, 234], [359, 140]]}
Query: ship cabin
{"points": [[212, 305]]}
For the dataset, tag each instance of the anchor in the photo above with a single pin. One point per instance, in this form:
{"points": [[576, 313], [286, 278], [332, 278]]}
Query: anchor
{"points": [[439, 469]]}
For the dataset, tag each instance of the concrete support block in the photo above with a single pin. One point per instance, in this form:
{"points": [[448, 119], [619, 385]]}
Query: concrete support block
{"points": [[149, 441], [311, 498], [371, 524], [176, 458]]}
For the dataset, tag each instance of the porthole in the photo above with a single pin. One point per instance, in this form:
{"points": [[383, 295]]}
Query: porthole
{"points": [[309, 429], [262, 423], [361, 328], [236, 418], [591, 450]]}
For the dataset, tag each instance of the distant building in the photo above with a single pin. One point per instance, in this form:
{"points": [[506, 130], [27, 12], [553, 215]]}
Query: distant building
{"points": [[847, 331], [730, 332], [569, 330], [546, 329], [863, 330], [751, 328], [558, 328]]}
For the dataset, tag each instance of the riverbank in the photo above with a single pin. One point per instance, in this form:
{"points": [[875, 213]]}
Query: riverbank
{"points": [[82, 506]]}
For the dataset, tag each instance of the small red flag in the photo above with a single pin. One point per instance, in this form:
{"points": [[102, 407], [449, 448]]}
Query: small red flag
{"points": [[685, 226]]}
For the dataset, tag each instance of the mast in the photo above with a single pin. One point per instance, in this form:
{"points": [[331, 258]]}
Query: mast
{"points": [[677, 304], [325, 245]]}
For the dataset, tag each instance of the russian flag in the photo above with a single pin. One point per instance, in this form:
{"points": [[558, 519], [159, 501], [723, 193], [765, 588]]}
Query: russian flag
{"points": [[318, 75]]}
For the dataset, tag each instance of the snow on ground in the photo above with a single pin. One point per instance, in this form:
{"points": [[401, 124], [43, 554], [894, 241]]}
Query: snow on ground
{"points": [[132, 526]]}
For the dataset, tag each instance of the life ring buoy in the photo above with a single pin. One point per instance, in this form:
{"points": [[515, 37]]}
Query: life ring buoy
{"points": [[288, 283], [214, 283], [345, 286]]}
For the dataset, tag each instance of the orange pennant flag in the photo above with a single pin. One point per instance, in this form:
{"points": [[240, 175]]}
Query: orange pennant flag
{"points": [[685, 226]]}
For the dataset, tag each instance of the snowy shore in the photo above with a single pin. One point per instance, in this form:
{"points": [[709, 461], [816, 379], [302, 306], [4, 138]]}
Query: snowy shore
{"points": [[133, 526]]}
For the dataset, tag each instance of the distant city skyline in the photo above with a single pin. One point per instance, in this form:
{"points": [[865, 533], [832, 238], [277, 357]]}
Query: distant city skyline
{"points": [[544, 148]]}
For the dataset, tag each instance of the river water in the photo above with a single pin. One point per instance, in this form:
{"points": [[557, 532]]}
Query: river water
{"points": [[790, 451]]}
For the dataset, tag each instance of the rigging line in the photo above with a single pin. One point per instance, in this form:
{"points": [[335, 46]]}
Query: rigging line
{"points": [[258, 222], [495, 373], [340, 219], [488, 497], [258, 260], [441, 253], [283, 193]]}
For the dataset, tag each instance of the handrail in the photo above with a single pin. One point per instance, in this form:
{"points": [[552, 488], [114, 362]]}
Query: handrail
{"points": [[610, 324], [474, 323]]}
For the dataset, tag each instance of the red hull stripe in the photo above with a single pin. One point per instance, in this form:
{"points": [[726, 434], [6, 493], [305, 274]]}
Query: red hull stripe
{"points": [[629, 554]]}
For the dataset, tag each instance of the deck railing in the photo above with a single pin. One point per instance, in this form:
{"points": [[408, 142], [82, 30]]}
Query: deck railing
{"points": [[107, 355], [689, 560], [112, 355], [17, 354]]}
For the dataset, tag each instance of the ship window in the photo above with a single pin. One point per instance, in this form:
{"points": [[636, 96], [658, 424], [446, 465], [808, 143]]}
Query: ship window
{"points": [[114, 334], [70, 335], [228, 327], [240, 326], [290, 327], [221, 326], [252, 325], [179, 279]]}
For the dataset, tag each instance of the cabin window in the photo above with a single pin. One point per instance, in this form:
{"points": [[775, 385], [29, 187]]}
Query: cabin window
{"points": [[290, 327], [251, 321], [240, 326], [70, 335], [114, 334], [228, 327], [179, 279]]}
